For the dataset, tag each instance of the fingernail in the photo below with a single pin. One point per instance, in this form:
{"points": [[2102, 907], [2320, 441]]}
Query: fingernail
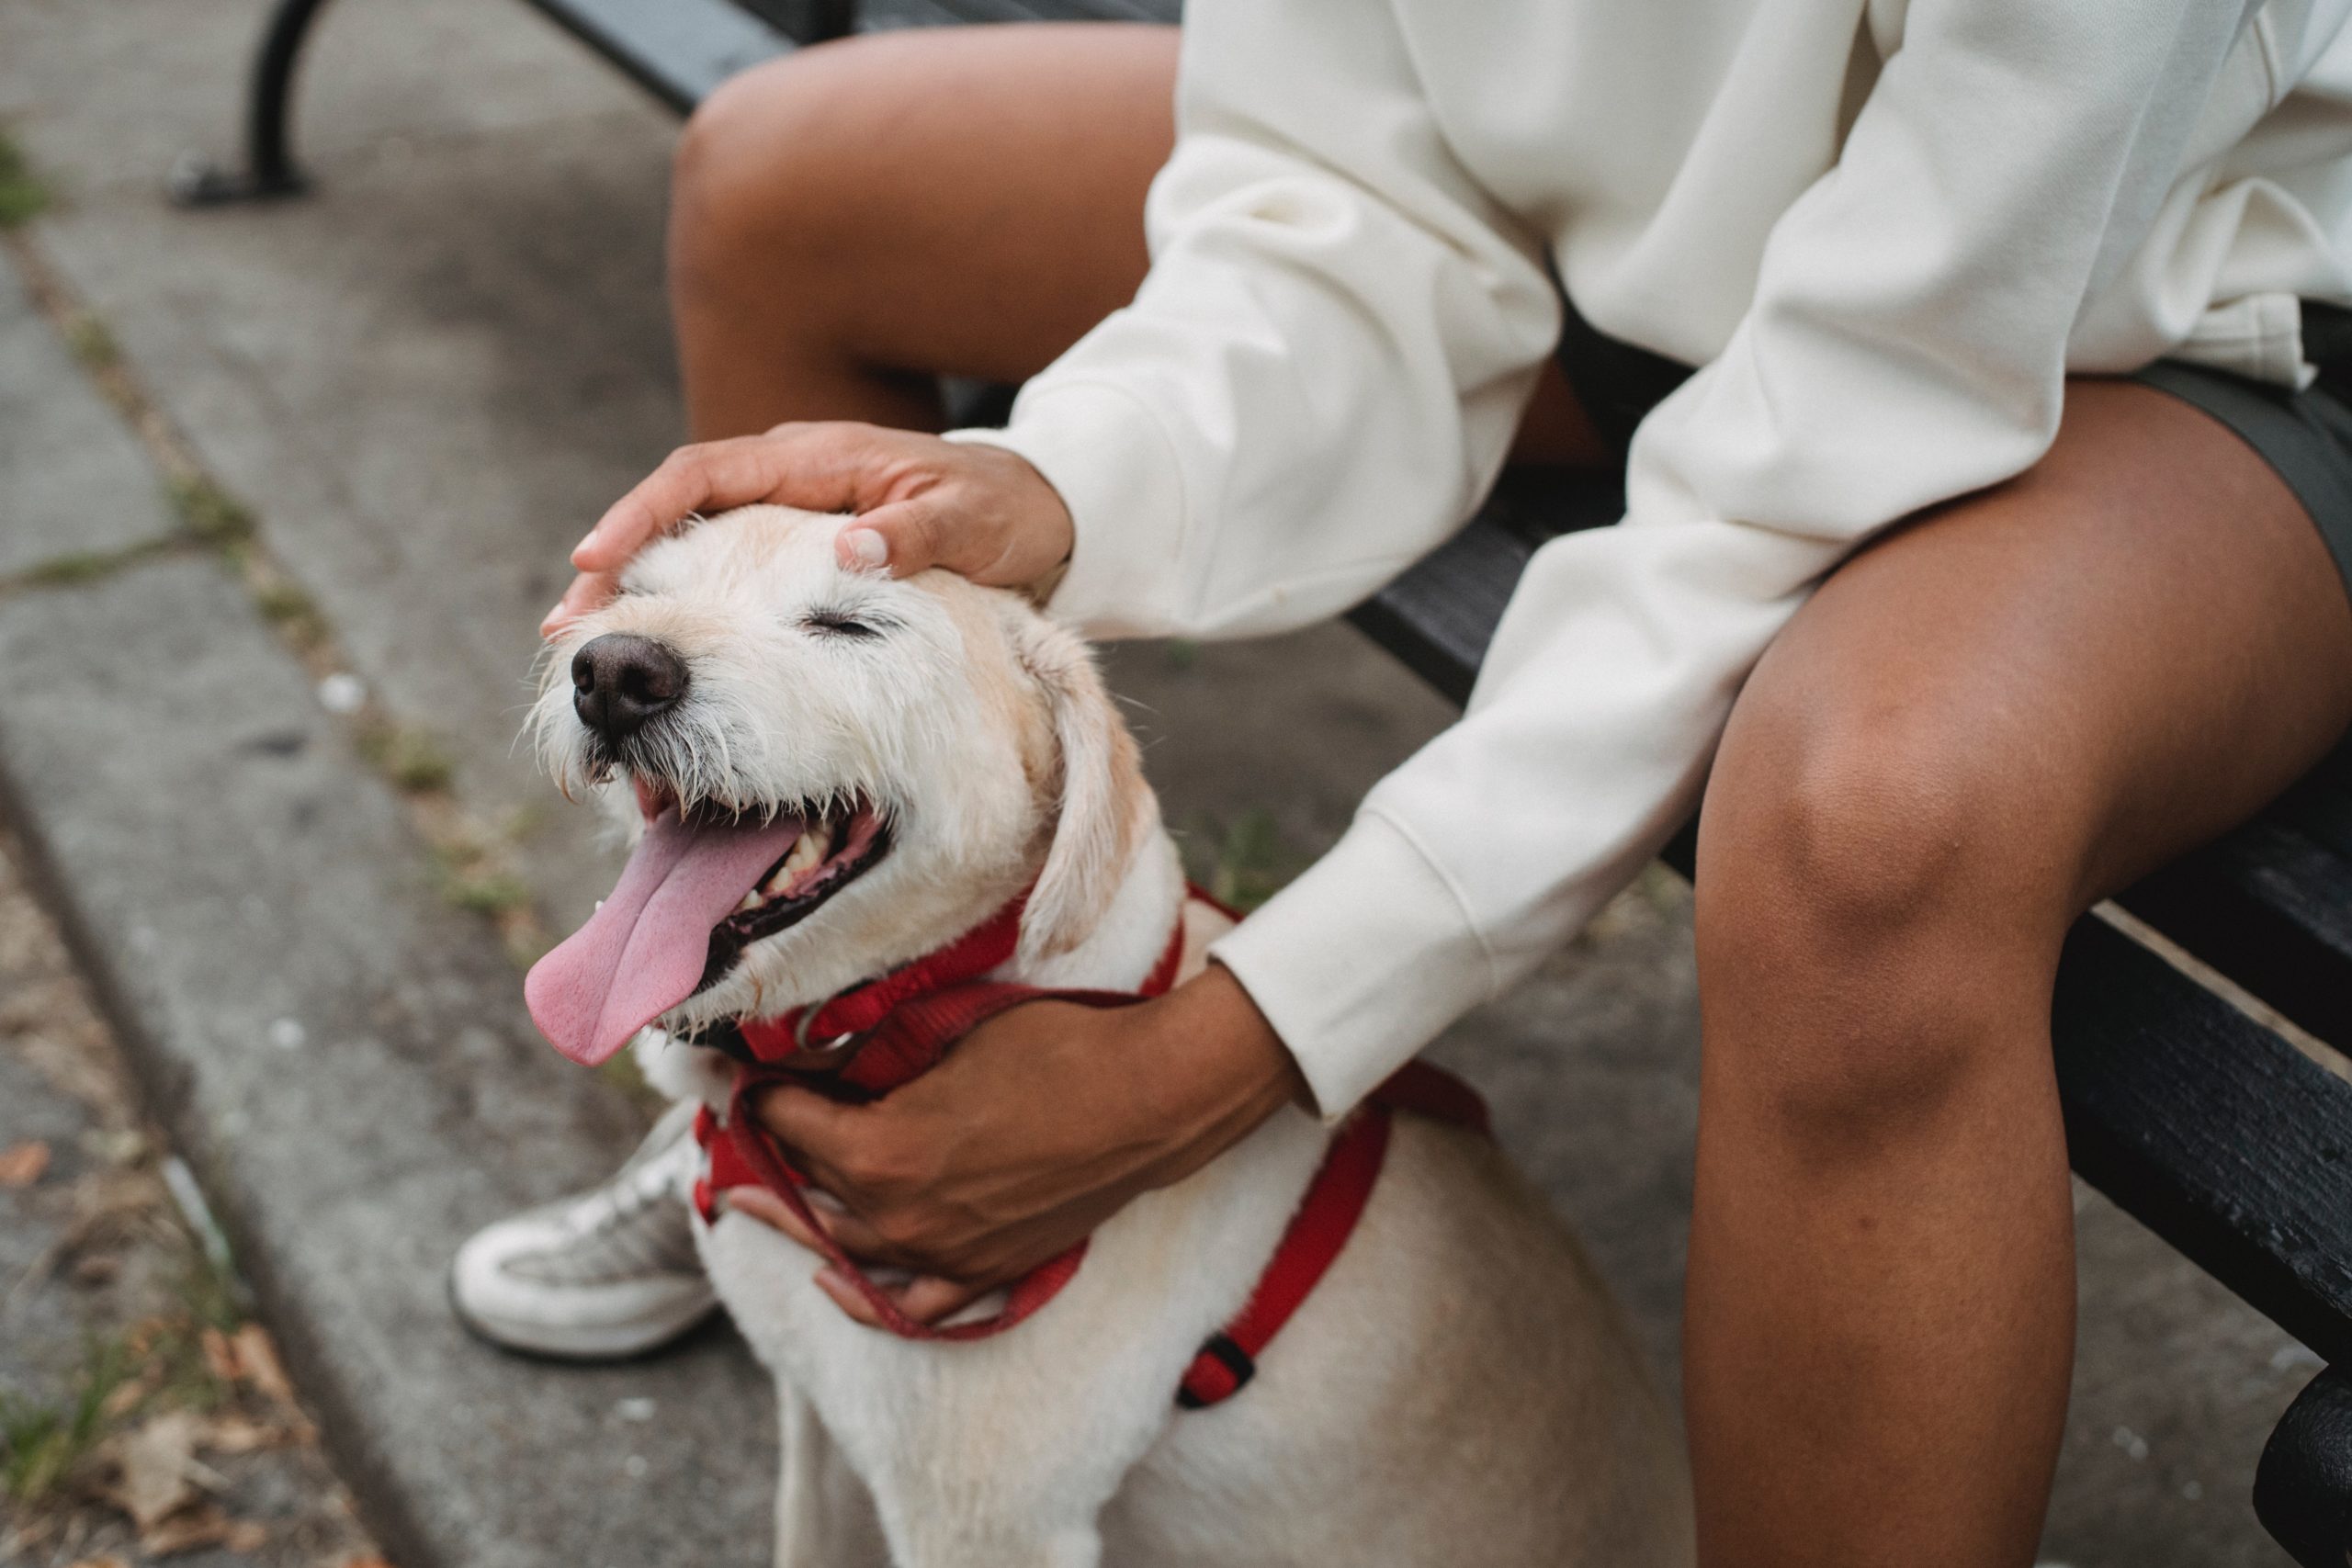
{"points": [[868, 548]]}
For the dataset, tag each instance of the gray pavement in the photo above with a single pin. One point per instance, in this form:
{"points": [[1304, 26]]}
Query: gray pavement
{"points": [[79, 485], [110, 1297], [427, 379]]}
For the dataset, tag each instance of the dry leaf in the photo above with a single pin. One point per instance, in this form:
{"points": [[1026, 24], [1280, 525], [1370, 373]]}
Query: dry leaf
{"points": [[237, 1434], [94, 1270], [22, 1164], [363, 1563], [153, 1465], [194, 1529], [219, 1357], [257, 1360], [125, 1398], [102, 1562]]}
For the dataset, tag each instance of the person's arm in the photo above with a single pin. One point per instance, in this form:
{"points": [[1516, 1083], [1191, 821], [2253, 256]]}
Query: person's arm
{"points": [[1316, 383], [1321, 376], [1323, 369]]}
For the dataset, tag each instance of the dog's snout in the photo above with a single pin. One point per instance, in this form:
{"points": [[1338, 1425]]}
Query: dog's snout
{"points": [[619, 681]]}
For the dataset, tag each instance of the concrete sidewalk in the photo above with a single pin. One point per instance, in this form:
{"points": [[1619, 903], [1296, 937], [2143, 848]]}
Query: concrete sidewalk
{"points": [[424, 381]]}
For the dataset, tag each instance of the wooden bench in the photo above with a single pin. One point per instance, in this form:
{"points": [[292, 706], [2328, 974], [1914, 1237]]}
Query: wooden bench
{"points": [[2213, 1130]]}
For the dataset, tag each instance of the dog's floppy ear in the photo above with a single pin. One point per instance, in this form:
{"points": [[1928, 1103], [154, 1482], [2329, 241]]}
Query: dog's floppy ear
{"points": [[1101, 789]]}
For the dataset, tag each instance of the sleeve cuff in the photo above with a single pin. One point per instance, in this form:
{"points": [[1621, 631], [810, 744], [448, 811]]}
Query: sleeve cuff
{"points": [[1361, 962], [1102, 451]]}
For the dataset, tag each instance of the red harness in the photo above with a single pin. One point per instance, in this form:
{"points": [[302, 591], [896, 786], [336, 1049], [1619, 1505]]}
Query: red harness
{"points": [[876, 1036]]}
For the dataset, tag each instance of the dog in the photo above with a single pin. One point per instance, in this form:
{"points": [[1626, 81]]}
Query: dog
{"points": [[832, 775]]}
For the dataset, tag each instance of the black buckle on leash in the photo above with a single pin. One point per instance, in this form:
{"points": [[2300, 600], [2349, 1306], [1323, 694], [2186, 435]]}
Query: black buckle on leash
{"points": [[1237, 1361]]}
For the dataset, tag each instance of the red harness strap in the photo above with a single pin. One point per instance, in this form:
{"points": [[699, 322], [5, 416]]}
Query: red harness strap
{"points": [[1327, 1216], [876, 1036]]}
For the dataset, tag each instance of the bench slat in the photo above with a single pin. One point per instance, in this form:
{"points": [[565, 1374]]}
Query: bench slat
{"points": [[678, 50], [1439, 618], [2270, 908], [2210, 1129], [883, 16]]}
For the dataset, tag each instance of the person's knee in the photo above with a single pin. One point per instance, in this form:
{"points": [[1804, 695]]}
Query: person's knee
{"points": [[1876, 892], [757, 181]]}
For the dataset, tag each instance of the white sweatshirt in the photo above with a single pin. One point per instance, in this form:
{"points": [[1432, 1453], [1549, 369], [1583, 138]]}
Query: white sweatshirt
{"points": [[1886, 230]]}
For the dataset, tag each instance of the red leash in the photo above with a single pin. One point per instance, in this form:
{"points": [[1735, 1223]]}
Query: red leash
{"points": [[875, 1037]]}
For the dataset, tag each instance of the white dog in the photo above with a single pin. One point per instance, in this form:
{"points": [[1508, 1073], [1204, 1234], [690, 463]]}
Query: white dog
{"points": [[843, 774]]}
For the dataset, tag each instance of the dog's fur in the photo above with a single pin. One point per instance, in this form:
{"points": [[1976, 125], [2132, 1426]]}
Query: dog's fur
{"points": [[1458, 1391]]}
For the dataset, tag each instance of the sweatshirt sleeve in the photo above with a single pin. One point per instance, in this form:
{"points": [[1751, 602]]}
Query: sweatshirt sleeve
{"points": [[1256, 442], [1324, 369]]}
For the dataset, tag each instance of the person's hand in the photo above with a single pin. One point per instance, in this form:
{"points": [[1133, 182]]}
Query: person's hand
{"points": [[1039, 1126], [919, 502]]}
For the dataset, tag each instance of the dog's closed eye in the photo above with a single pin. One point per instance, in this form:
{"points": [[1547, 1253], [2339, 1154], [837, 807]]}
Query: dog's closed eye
{"points": [[838, 622]]}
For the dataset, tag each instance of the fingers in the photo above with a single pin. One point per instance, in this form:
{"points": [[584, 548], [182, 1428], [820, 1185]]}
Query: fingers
{"points": [[926, 1298], [810, 1125], [713, 477], [821, 468], [903, 538], [589, 590], [852, 1235], [847, 1297], [930, 1298], [770, 1209]]}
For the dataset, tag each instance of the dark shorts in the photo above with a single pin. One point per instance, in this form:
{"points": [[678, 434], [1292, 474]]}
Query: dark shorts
{"points": [[2305, 435]]}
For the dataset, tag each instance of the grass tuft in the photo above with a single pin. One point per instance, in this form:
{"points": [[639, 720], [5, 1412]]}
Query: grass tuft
{"points": [[92, 342], [65, 571], [282, 602], [413, 760], [1252, 861], [23, 197], [486, 893], [286, 606], [210, 513], [42, 1446]]}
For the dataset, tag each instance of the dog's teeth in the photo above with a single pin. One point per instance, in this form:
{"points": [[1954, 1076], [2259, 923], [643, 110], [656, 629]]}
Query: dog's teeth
{"points": [[750, 901], [806, 856]]}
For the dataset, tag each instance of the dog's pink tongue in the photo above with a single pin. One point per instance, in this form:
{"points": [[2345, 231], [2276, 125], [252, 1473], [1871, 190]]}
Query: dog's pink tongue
{"points": [[642, 952]]}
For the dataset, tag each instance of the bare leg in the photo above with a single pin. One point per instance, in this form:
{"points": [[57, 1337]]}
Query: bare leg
{"points": [[855, 220], [1976, 729]]}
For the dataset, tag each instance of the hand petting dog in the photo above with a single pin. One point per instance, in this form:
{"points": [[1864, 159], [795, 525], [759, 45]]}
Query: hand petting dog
{"points": [[916, 502]]}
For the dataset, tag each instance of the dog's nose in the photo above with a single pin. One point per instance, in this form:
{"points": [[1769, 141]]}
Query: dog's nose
{"points": [[619, 681]]}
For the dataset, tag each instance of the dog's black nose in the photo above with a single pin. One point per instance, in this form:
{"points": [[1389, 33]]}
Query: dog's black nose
{"points": [[619, 682]]}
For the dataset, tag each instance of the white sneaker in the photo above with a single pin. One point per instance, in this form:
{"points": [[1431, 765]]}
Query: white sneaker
{"points": [[608, 1273]]}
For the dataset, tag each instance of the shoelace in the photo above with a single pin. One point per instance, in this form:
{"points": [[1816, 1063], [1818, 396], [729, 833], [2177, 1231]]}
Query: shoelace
{"points": [[663, 1175]]}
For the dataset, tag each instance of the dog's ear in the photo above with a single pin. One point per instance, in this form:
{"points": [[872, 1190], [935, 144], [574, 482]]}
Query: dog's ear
{"points": [[1101, 792]]}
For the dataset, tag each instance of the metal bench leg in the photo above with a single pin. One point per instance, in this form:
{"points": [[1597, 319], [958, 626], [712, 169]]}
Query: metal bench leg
{"points": [[2302, 1489], [269, 172]]}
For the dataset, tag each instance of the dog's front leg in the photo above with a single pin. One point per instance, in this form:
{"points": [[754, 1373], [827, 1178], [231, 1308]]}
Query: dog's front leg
{"points": [[824, 1515], [934, 1533]]}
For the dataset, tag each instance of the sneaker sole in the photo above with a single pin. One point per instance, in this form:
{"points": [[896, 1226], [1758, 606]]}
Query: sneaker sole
{"points": [[580, 1342]]}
